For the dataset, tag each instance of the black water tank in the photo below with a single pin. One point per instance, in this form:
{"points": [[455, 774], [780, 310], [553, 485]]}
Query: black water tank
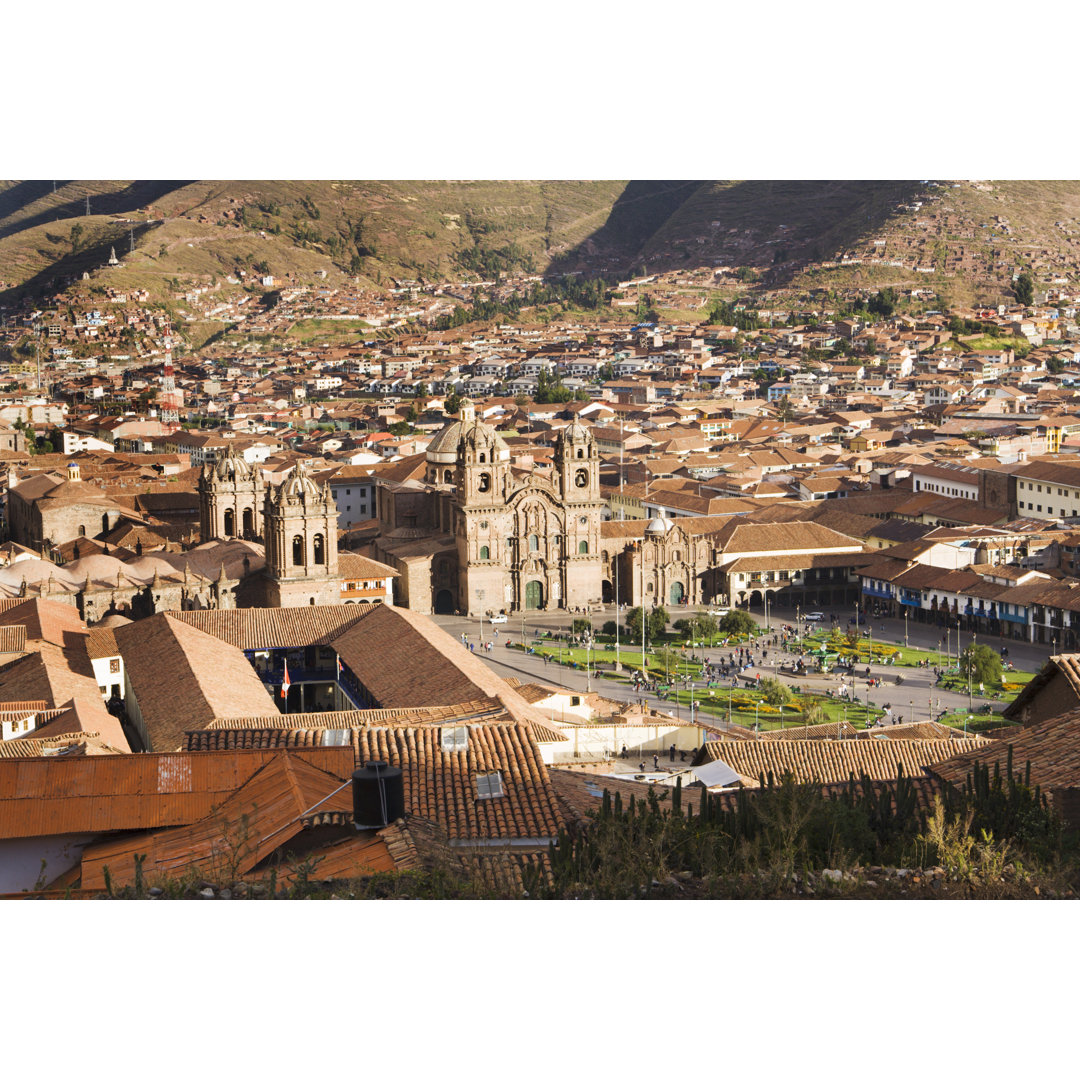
{"points": [[378, 795]]}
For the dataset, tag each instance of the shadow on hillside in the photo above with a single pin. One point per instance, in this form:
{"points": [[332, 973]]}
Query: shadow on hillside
{"points": [[642, 209], [778, 225], [71, 267], [136, 196]]}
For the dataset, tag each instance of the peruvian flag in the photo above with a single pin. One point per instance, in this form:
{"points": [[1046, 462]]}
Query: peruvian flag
{"points": [[285, 683], [339, 667]]}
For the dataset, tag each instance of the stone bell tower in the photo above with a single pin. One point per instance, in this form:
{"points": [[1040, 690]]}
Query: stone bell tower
{"points": [[300, 523], [231, 494], [577, 483]]}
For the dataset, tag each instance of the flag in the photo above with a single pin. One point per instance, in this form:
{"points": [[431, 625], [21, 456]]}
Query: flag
{"points": [[339, 667], [285, 684]]}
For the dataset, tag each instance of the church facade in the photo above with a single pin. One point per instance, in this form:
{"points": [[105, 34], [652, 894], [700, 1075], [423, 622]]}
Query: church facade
{"points": [[480, 537]]}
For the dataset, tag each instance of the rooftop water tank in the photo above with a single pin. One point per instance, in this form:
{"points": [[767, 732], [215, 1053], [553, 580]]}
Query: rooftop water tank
{"points": [[378, 795]]}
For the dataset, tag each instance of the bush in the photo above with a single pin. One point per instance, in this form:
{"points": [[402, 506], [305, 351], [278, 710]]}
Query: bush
{"points": [[610, 628]]}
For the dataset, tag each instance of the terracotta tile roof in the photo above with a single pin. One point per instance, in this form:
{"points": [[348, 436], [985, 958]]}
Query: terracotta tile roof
{"points": [[56, 796], [1052, 746], [101, 642], [431, 715], [82, 743], [826, 761], [46, 620], [13, 639], [354, 566], [441, 785], [405, 660], [350, 857], [276, 628], [813, 731], [182, 678], [57, 676]]}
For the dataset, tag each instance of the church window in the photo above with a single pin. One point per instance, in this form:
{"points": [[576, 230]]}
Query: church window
{"points": [[483, 457], [534, 542], [583, 548], [82, 530], [298, 551], [230, 523], [580, 453], [320, 549], [485, 552], [448, 477]]}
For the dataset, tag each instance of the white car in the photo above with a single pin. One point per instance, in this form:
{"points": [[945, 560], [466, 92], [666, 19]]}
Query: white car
{"points": [[720, 611], [499, 618], [815, 616]]}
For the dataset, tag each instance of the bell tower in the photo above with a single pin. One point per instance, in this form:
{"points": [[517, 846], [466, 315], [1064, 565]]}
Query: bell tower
{"points": [[577, 482], [300, 522], [577, 465], [231, 496], [483, 466]]}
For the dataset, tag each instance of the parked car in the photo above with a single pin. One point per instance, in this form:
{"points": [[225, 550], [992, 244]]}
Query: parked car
{"points": [[499, 618], [719, 611], [815, 616]]}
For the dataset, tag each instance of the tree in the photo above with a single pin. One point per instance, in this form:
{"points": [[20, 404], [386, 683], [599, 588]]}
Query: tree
{"points": [[785, 410], [610, 628], [421, 389], [697, 628], [581, 627], [1025, 289], [76, 236], [521, 400], [774, 691], [655, 622], [453, 403], [982, 664], [737, 622], [1055, 365]]}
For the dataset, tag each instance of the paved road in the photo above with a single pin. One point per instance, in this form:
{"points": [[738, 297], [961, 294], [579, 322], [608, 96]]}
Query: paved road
{"points": [[916, 699]]}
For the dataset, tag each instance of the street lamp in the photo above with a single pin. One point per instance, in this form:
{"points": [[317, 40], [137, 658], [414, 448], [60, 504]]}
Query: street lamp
{"points": [[905, 628], [911, 712]]}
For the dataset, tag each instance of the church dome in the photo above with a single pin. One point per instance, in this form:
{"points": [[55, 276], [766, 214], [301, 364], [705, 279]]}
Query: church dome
{"points": [[442, 450], [659, 526]]}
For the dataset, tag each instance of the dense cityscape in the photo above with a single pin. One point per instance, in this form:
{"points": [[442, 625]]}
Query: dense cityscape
{"points": [[318, 580]]}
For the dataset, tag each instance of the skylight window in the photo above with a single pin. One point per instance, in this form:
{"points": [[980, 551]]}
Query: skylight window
{"points": [[489, 785], [336, 737], [455, 738]]}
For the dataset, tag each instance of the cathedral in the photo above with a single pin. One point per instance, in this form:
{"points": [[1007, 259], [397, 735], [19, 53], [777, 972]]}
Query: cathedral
{"points": [[480, 536]]}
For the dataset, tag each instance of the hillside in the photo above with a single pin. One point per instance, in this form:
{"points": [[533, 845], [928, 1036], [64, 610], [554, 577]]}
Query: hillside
{"points": [[963, 241]]}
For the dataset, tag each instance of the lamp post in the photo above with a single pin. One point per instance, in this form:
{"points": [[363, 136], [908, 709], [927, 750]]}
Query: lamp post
{"points": [[618, 667], [905, 628], [911, 712]]}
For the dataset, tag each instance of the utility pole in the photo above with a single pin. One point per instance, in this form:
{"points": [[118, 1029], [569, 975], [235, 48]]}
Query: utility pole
{"points": [[87, 205]]}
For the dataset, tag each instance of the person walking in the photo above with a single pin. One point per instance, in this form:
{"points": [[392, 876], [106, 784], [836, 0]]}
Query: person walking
{"points": [[672, 752], [656, 762]]}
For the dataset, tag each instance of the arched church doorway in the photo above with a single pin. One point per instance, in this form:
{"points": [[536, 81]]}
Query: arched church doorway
{"points": [[534, 596], [444, 602]]}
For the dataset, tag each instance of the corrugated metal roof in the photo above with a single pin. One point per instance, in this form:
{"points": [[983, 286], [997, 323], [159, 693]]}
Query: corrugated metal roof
{"points": [[55, 796]]}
